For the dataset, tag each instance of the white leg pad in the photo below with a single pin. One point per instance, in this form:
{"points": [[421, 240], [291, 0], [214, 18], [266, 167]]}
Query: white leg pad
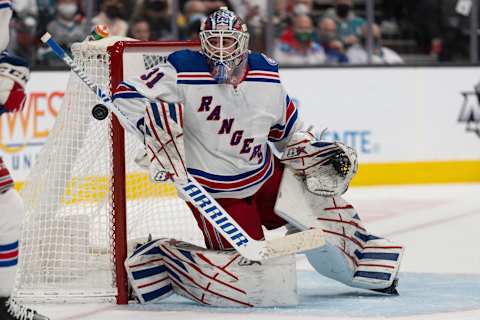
{"points": [[352, 255], [223, 278], [147, 273], [12, 212]]}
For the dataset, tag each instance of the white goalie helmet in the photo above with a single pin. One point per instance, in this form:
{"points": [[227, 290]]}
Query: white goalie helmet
{"points": [[224, 41]]}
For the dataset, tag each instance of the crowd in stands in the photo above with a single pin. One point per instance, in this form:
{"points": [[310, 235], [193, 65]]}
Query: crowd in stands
{"points": [[336, 37], [320, 32]]}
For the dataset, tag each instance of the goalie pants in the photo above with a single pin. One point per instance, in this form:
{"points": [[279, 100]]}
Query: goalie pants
{"points": [[250, 213]]}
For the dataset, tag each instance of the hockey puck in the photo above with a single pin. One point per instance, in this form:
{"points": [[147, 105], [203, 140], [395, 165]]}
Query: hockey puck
{"points": [[99, 112]]}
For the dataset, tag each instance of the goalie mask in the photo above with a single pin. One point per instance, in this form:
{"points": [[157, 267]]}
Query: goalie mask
{"points": [[224, 41]]}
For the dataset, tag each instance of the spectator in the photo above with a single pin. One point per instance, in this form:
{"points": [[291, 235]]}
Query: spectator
{"points": [[140, 30], [24, 42], [302, 7], [213, 5], [194, 11], [357, 54], [449, 34], [46, 13], [111, 15], [24, 8], [67, 28], [155, 12], [253, 13], [348, 24], [192, 31], [297, 44], [327, 36], [281, 17]]}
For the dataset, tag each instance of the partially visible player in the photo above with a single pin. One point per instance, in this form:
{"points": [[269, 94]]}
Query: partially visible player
{"points": [[225, 105], [14, 74]]}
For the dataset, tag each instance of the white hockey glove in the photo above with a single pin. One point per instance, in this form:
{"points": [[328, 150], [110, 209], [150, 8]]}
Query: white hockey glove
{"points": [[327, 167], [164, 142], [14, 75]]}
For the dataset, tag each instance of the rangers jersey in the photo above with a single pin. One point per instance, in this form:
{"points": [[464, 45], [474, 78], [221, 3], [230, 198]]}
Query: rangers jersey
{"points": [[226, 128]]}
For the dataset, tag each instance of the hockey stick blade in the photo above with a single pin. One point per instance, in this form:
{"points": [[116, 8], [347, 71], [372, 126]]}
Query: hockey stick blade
{"points": [[294, 243], [249, 248]]}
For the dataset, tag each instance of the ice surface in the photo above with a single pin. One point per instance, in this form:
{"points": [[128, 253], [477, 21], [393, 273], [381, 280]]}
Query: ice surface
{"points": [[440, 277]]}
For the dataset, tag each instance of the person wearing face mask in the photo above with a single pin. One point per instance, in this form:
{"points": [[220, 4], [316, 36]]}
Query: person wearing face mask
{"points": [[348, 24], [24, 40], [357, 54], [327, 37], [297, 45], [156, 13], [67, 28], [281, 17], [194, 12], [111, 15], [301, 7], [26, 8]]}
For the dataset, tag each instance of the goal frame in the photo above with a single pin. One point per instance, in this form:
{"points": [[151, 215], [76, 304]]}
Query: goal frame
{"points": [[119, 201]]}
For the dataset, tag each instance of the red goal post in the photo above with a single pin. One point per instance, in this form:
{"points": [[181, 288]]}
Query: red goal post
{"points": [[86, 200], [120, 70]]}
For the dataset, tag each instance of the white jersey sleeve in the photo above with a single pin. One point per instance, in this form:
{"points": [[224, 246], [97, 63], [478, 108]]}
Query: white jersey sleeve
{"points": [[159, 82], [134, 95], [287, 122], [5, 16]]}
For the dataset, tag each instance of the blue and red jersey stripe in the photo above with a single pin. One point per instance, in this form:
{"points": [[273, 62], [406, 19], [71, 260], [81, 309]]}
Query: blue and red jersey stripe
{"points": [[262, 76], [282, 130], [221, 183], [195, 78], [206, 77], [9, 254], [126, 91]]}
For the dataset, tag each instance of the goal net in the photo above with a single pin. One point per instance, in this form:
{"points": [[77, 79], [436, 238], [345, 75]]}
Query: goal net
{"points": [[86, 200]]}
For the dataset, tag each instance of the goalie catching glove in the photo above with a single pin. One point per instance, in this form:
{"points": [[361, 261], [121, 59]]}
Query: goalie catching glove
{"points": [[165, 152], [327, 167]]}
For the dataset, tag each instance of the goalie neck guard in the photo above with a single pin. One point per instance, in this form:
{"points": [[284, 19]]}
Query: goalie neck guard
{"points": [[224, 41]]}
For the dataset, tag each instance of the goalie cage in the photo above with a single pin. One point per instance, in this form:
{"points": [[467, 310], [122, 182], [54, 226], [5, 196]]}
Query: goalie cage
{"points": [[85, 197]]}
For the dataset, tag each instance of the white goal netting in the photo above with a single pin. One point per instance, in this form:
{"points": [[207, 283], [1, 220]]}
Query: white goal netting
{"points": [[67, 243]]}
